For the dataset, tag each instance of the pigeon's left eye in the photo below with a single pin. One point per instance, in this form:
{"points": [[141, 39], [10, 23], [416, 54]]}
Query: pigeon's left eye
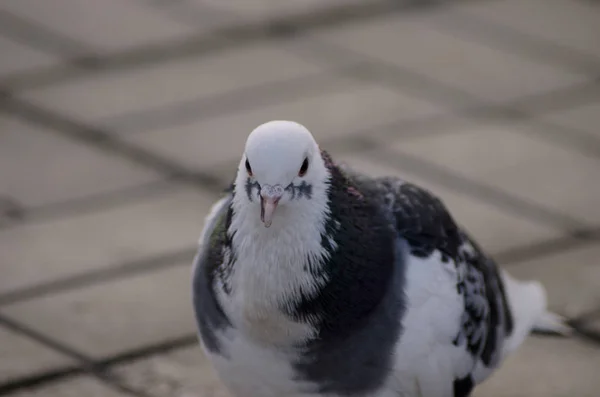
{"points": [[248, 168], [303, 168]]}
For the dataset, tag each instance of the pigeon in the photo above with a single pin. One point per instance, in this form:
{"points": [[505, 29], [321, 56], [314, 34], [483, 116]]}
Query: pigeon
{"points": [[313, 279]]}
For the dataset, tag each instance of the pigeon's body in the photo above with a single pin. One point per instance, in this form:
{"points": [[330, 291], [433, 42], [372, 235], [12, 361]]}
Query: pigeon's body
{"points": [[361, 287]]}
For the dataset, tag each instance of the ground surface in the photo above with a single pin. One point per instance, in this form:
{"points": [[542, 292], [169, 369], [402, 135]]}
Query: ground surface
{"points": [[120, 120]]}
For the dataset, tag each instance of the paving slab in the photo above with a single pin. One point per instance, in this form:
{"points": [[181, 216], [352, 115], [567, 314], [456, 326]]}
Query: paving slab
{"points": [[40, 167], [112, 25], [543, 367], [104, 96], [46, 251], [512, 158], [495, 230], [181, 373], [267, 9], [593, 323], [348, 108], [547, 367], [72, 387], [571, 279], [22, 58], [108, 318], [412, 42], [22, 356], [584, 118], [572, 24]]}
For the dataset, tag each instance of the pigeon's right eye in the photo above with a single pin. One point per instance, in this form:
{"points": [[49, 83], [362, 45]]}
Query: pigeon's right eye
{"points": [[248, 168]]}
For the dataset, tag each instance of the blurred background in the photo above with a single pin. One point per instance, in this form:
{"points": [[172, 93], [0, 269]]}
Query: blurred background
{"points": [[122, 120]]}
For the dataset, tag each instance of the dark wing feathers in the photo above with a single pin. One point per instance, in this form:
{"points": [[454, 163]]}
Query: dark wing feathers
{"points": [[423, 220]]}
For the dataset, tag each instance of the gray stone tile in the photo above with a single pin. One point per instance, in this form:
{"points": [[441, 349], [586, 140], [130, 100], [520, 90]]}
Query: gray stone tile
{"points": [[44, 251], [107, 318], [584, 118], [197, 14], [546, 367], [115, 94], [594, 323], [345, 110], [412, 42], [268, 9], [19, 58], [571, 279], [22, 356], [72, 387], [508, 157], [567, 23], [495, 230], [40, 167], [182, 373], [108, 26]]}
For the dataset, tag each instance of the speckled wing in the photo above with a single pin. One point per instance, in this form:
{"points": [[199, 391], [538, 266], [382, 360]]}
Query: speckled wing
{"points": [[423, 220]]}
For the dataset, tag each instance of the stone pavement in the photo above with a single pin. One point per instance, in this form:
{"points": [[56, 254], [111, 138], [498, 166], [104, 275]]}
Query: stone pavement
{"points": [[120, 120]]}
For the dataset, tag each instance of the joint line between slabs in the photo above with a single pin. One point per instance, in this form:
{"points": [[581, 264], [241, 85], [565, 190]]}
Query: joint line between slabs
{"points": [[228, 37], [55, 375], [33, 35], [103, 140], [97, 276], [406, 81]]}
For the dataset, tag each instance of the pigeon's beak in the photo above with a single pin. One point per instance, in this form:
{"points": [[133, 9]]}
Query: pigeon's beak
{"points": [[269, 198]]}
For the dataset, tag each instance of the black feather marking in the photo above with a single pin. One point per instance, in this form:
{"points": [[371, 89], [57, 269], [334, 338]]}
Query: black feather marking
{"points": [[251, 184], [302, 190], [463, 387], [361, 306]]}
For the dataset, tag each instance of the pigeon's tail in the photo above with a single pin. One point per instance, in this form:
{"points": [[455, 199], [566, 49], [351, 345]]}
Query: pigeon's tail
{"points": [[528, 304], [551, 323]]}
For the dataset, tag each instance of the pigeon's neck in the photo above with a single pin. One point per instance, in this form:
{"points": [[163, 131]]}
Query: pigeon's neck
{"points": [[324, 266], [274, 268]]}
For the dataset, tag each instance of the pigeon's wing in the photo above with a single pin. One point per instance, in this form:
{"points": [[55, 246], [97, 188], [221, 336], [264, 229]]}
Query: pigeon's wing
{"points": [[208, 268], [477, 293]]}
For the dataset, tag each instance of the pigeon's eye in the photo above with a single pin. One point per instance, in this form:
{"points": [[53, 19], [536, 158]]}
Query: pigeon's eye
{"points": [[303, 168], [248, 168]]}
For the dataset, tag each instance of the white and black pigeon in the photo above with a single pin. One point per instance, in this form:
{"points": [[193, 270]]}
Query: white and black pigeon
{"points": [[314, 280]]}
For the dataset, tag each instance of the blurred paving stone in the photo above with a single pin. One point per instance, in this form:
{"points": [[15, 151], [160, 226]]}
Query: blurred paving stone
{"points": [[108, 318], [196, 14], [594, 324], [547, 367], [40, 167], [584, 118], [571, 279], [10, 210], [21, 356], [413, 43], [591, 323], [508, 157], [116, 94], [82, 386], [38, 252], [568, 23], [494, 229], [110, 25], [270, 9], [348, 108], [21, 58], [181, 373]]}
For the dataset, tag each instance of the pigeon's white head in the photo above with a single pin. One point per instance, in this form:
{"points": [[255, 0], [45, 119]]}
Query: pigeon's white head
{"points": [[281, 171]]}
